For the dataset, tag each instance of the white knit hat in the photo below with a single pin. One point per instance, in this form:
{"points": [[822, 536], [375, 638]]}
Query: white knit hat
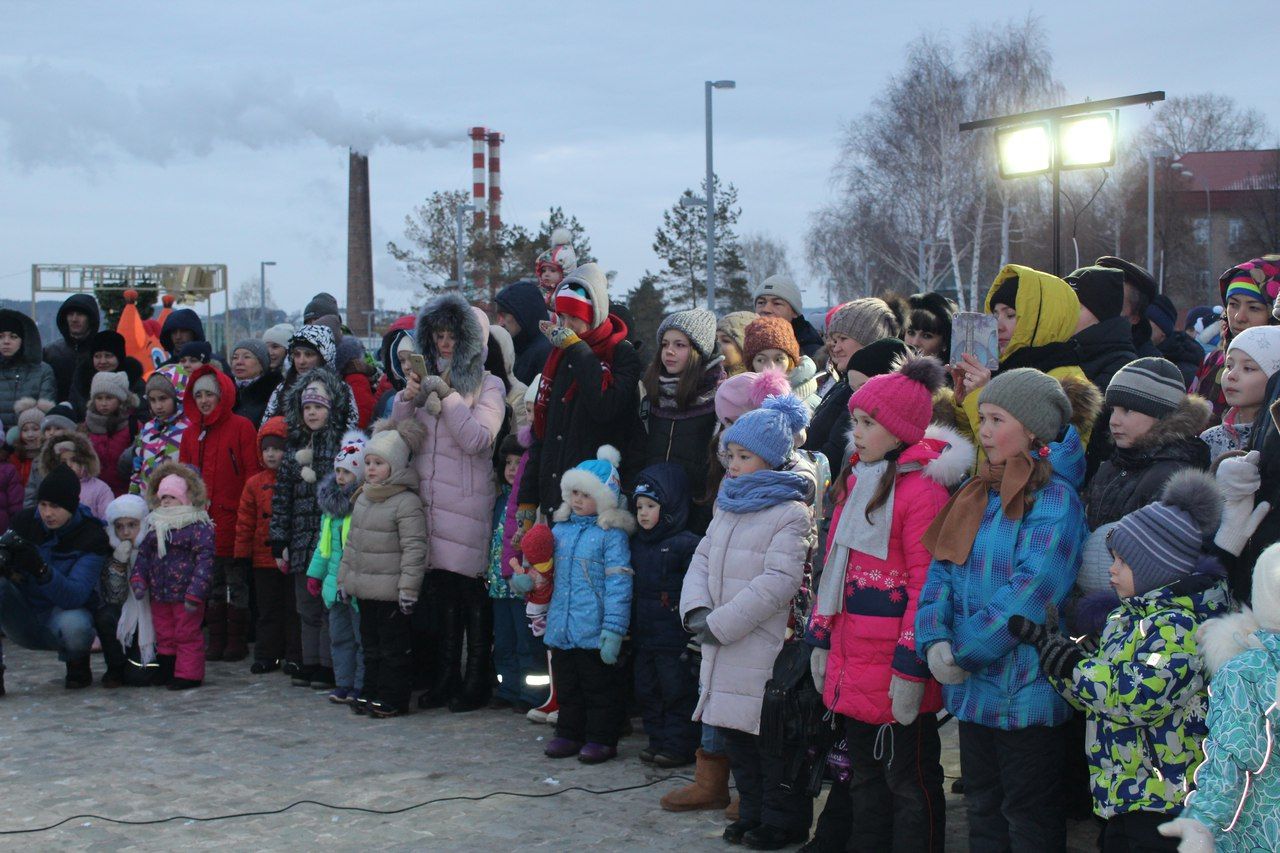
{"points": [[350, 455], [1262, 344], [394, 442], [279, 335]]}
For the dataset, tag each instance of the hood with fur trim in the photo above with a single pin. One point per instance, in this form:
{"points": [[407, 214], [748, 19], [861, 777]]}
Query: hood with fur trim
{"points": [[83, 453], [1224, 638], [1086, 402], [335, 500], [195, 486], [324, 441], [470, 328], [1185, 422]]}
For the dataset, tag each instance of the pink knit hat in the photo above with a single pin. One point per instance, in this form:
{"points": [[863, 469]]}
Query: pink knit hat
{"points": [[902, 401], [175, 486], [740, 394]]}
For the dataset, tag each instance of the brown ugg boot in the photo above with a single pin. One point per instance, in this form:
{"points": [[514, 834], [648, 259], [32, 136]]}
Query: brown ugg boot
{"points": [[710, 788]]}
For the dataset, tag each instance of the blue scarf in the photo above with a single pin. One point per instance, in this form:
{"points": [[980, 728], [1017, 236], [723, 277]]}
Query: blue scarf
{"points": [[761, 490]]}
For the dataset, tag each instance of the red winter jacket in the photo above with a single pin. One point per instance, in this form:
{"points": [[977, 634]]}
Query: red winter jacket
{"points": [[110, 447], [873, 638], [253, 521], [362, 390], [223, 447]]}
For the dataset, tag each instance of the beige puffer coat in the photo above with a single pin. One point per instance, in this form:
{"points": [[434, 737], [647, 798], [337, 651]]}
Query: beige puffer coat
{"points": [[386, 550]]}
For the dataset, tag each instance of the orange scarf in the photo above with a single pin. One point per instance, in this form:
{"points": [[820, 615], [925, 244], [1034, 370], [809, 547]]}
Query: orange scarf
{"points": [[950, 536]]}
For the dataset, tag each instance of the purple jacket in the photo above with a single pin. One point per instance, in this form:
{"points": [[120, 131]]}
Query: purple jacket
{"points": [[509, 520], [11, 494], [183, 573]]}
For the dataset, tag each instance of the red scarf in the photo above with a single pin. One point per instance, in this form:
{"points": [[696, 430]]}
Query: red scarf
{"points": [[603, 339]]}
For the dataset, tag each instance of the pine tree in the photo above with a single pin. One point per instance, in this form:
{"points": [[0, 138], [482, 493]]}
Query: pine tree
{"points": [[681, 243], [647, 307]]}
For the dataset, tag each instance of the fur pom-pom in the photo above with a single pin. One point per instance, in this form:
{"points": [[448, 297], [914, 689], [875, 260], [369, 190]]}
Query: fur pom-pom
{"points": [[768, 383], [792, 409], [1221, 639], [609, 454], [561, 236], [926, 370], [1086, 401], [1195, 493], [308, 474], [305, 456], [412, 432], [24, 403]]}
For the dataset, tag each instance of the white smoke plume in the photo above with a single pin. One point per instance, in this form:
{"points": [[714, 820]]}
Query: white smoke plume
{"points": [[51, 116]]}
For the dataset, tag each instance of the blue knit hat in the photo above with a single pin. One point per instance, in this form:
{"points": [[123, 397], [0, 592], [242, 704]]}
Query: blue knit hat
{"points": [[770, 431], [596, 477]]}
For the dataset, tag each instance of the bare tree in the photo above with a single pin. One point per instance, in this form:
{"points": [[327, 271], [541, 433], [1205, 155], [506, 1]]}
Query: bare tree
{"points": [[763, 255], [250, 312], [1205, 122], [431, 254]]}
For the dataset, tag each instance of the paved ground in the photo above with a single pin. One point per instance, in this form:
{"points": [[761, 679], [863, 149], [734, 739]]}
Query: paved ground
{"points": [[254, 743]]}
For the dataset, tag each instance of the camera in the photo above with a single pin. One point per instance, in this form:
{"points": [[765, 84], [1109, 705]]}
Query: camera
{"points": [[17, 556]]}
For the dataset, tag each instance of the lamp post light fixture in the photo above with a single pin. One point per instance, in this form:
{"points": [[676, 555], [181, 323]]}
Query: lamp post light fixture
{"points": [[710, 202], [1077, 136], [1208, 220]]}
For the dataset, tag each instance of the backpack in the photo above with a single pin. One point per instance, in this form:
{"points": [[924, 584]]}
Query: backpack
{"points": [[795, 726]]}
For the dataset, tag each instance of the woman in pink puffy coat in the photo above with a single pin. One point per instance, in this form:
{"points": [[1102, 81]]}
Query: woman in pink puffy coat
{"points": [[864, 659]]}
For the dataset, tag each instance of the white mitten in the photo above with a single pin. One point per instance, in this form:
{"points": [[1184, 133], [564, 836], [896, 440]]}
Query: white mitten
{"points": [[818, 667], [122, 551], [943, 664], [1240, 518], [905, 697], [1196, 837], [1238, 476]]}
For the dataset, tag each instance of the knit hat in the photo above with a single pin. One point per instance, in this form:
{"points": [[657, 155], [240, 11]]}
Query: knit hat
{"points": [[740, 394], [1162, 312], [1161, 542], [207, 382], [350, 455], [538, 545], [349, 349], [596, 477], [11, 321], [170, 379], [173, 486], [316, 392], [584, 293], [1100, 289], [770, 431], [1005, 294], [782, 287], [878, 357], [1036, 399], [769, 333], [273, 434], [1095, 561], [1201, 316], [108, 341], [734, 324], [394, 442], [256, 348], [560, 254], [61, 416], [126, 506], [60, 487], [1134, 275], [321, 304], [1260, 343], [279, 334], [866, 320], [318, 338], [202, 350], [1257, 279], [31, 411], [698, 325], [902, 402], [1152, 386], [115, 384]]}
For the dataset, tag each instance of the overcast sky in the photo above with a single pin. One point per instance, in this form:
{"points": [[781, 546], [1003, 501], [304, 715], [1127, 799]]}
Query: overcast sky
{"points": [[215, 132]]}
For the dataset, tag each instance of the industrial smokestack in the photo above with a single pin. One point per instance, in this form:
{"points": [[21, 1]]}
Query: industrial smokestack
{"points": [[477, 135], [495, 183], [359, 247]]}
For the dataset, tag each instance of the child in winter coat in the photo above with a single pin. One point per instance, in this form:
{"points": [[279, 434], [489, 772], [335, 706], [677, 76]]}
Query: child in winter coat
{"points": [[359, 374], [514, 657], [109, 422], [28, 441], [769, 343], [661, 550], [1236, 802], [160, 438], [1253, 357], [382, 565], [74, 450], [222, 447], [1144, 690], [590, 609], [59, 420], [864, 660], [334, 495], [278, 632], [1007, 544], [311, 347], [125, 516], [175, 567], [1156, 428], [316, 413], [737, 597], [10, 486]]}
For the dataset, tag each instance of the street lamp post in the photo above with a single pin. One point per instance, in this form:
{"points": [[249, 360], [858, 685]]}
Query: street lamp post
{"points": [[711, 197], [262, 289], [1208, 220]]}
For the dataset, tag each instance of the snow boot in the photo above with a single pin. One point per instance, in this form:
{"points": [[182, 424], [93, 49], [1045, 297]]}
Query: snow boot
{"points": [[710, 788]]}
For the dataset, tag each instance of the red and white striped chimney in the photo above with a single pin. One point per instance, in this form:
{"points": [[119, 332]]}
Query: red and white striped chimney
{"points": [[495, 182], [477, 175]]}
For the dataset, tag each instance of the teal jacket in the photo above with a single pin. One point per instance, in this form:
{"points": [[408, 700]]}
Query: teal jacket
{"points": [[335, 523]]}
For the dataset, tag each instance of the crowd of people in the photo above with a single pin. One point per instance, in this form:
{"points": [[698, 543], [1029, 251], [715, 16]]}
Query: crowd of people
{"points": [[792, 553]]}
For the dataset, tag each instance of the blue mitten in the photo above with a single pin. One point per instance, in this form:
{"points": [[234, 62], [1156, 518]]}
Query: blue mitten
{"points": [[522, 584], [610, 646]]}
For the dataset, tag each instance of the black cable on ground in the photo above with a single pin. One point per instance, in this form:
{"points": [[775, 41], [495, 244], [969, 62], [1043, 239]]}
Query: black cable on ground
{"points": [[362, 809]]}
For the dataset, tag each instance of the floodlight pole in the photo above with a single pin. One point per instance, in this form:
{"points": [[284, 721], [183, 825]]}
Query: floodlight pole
{"points": [[1057, 203]]}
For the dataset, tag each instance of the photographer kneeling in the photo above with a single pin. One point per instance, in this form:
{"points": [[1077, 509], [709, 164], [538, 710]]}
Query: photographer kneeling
{"points": [[50, 562]]}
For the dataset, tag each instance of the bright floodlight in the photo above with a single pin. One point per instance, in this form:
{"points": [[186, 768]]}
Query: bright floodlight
{"points": [[1087, 141], [1023, 150]]}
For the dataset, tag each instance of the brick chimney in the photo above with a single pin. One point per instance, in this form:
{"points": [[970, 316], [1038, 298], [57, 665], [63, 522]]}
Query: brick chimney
{"points": [[359, 246]]}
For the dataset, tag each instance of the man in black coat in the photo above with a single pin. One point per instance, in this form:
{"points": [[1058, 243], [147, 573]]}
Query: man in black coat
{"points": [[778, 296], [1139, 291], [1175, 346], [78, 321], [519, 308]]}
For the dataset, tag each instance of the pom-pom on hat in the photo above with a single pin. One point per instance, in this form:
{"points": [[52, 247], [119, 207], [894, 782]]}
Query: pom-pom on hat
{"points": [[770, 431], [31, 410], [902, 402], [596, 477], [350, 455], [560, 254], [739, 394], [769, 333], [1161, 542]]}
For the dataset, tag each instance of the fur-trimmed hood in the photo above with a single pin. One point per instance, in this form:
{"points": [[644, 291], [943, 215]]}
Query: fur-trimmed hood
{"points": [[470, 329], [83, 453], [335, 500], [323, 442], [1185, 422], [1086, 402], [195, 486], [954, 461], [1222, 639]]}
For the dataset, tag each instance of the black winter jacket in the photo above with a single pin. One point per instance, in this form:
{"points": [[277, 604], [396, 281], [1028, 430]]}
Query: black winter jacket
{"points": [[1104, 349], [251, 400], [1184, 352], [66, 354], [1135, 476], [808, 337], [829, 427], [659, 558], [686, 440]]}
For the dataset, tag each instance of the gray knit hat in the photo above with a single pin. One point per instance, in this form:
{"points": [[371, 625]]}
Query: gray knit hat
{"points": [[113, 384], [1151, 386], [279, 334], [1036, 399], [1095, 561], [698, 325], [258, 349], [865, 320], [782, 287], [1161, 542]]}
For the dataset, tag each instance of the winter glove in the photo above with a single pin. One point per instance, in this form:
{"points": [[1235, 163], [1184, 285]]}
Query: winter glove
{"points": [[521, 583], [192, 604], [1058, 655], [562, 337], [818, 667], [138, 586], [905, 696], [696, 620], [1239, 480], [123, 551], [313, 587], [1196, 837], [610, 646], [343, 597], [407, 603], [943, 664]]}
